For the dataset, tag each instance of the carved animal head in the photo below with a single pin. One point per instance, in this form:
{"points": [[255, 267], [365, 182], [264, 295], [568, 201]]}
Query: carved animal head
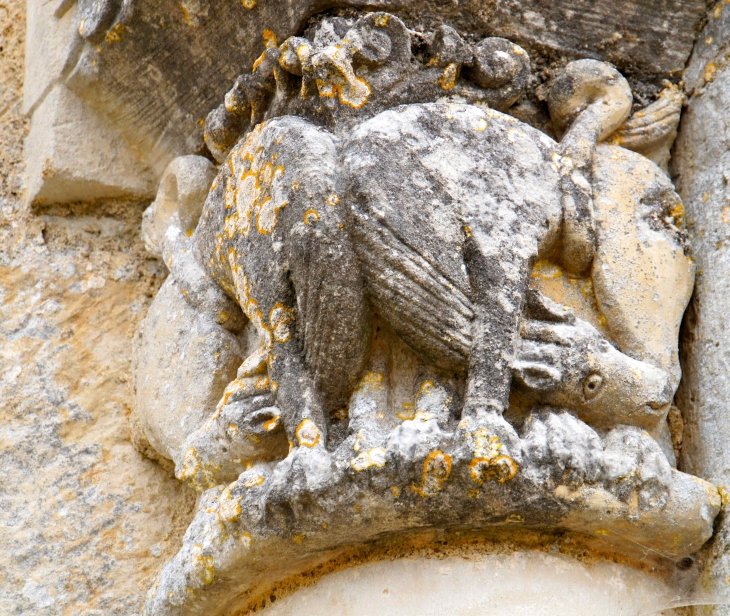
{"points": [[569, 364]]}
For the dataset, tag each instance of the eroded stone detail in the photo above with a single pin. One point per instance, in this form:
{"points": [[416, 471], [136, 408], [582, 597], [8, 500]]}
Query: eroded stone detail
{"points": [[391, 262]]}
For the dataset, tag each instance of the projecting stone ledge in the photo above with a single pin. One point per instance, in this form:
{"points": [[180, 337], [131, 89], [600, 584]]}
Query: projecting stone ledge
{"points": [[274, 523]]}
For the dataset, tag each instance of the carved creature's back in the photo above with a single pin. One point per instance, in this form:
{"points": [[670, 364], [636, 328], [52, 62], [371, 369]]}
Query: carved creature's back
{"points": [[467, 168]]}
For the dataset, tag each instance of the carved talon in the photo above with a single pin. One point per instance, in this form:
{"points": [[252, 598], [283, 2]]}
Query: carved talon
{"points": [[561, 449], [495, 447], [635, 467]]}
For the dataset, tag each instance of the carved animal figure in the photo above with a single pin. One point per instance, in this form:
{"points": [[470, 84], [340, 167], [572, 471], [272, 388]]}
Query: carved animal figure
{"points": [[307, 233], [274, 235]]}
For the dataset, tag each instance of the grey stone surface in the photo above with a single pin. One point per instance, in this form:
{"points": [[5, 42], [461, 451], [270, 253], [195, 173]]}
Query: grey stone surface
{"points": [[156, 68], [72, 154], [382, 249], [700, 169]]}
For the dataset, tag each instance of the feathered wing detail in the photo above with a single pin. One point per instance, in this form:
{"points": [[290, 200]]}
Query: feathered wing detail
{"points": [[652, 130]]}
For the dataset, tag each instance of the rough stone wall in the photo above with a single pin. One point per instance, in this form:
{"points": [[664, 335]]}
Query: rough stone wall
{"points": [[85, 521]]}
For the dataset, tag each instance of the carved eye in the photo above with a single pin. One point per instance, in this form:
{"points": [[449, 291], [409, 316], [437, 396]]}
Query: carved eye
{"points": [[592, 385]]}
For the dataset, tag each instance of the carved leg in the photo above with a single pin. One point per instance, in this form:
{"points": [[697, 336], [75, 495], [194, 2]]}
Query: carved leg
{"points": [[499, 275]]}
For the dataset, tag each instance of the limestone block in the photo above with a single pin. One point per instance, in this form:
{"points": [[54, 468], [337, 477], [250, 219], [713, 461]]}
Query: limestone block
{"points": [[52, 45], [72, 154], [157, 68], [700, 166], [518, 583]]}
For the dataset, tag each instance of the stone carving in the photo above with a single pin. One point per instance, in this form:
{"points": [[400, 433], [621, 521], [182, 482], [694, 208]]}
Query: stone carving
{"points": [[369, 330]]}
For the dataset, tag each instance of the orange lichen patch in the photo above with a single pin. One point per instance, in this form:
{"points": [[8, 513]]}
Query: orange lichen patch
{"points": [[258, 62], [333, 200], [115, 33], [249, 4], [280, 318], [717, 12], [408, 412], [342, 82], [481, 126], [448, 79], [382, 20], [246, 539], [371, 381], [678, 213], [203, 565], [229, 507], [368, 459], [546, 270], [232, 430], [270, 39], [308, 434], [255, 481], [298, 539], [436, 471], [341, 414], [488, 463], [395, 491], [272, 424], [310, 217], [499, 468], [710, 72], [514, 518]]}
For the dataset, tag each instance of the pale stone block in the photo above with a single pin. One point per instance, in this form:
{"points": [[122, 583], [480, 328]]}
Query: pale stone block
{"points": [[73, 155], [519, 584], [52, 45]]}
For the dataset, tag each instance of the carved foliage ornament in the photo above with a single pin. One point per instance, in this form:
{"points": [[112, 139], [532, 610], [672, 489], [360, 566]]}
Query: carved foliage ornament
{"points": [[401, 308]]}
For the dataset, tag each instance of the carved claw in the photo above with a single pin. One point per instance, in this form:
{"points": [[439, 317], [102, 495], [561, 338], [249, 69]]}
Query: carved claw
{"points": [[561, 449], [236, 435], [635, 467], [336, 77], [495, 447]]}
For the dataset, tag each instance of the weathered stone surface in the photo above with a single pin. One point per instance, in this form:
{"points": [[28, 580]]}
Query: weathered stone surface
{"points": [[403, 294], [73, 155], [284, 315], [196, 49], [700, 170], [79, 533]]}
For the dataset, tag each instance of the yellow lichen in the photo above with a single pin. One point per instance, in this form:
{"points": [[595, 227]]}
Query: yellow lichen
{"points": [[436, 471], [308, 434], [448, 79]]}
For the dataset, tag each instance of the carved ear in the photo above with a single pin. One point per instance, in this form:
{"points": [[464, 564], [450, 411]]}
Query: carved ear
{"points": [[536, 376], [542, 308]]}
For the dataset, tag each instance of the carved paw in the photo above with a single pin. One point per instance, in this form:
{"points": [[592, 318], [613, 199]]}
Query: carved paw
{"points": [[495, 447], [636, 468], [240, 433], [305, 471], [415, 438], [561, 450]]}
